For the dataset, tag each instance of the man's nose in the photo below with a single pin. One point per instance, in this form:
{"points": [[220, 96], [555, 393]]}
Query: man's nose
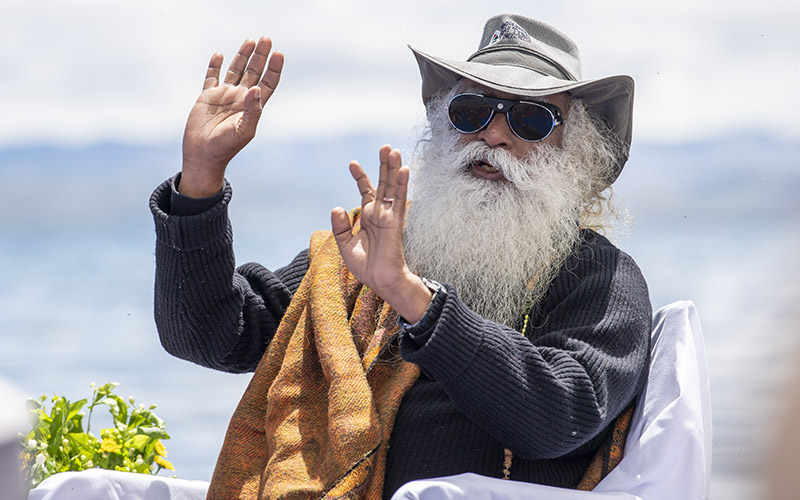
{"points": [[497, 133]]}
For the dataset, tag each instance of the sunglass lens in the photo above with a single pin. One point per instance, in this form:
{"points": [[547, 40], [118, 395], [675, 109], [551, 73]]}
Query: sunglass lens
{"points": [[531, 122], [469, 113]]}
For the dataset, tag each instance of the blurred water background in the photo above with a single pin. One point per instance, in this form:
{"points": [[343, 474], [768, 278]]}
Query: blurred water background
{"points": [[95, 94], [714, 222]]}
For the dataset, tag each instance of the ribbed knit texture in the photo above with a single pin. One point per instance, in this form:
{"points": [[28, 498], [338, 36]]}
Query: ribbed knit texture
{"points": [[581, 362], [205, 311], [549, 395]]}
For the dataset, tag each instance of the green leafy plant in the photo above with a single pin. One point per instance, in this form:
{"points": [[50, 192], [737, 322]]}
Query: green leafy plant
{"points": [[57, 441]]}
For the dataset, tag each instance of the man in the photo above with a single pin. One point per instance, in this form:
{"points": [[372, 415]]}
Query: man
{"points": [[523, 334]]}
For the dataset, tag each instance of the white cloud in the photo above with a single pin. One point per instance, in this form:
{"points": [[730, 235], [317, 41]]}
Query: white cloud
{"points": [[88, 71]]}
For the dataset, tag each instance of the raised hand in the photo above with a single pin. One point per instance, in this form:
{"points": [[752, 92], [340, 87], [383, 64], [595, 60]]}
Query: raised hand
{"points": [[224, 118], [375, 253]]}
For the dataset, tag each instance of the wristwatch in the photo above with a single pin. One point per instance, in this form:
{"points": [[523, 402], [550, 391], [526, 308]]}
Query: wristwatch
{"points": [[434, 309]]}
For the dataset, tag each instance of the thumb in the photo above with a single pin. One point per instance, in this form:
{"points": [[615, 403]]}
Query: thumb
{"points": [[340, 224]]}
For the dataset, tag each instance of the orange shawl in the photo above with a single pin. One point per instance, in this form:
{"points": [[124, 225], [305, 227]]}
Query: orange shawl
{"points": [[315, 420]]}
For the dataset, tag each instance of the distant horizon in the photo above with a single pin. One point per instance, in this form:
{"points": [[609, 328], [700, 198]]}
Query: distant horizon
{"points": [[107, 184], [740, 136]]}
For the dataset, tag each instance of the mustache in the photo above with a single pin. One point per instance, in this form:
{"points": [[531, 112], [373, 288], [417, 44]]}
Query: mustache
{"points": [[474, 153], [523, 173]]}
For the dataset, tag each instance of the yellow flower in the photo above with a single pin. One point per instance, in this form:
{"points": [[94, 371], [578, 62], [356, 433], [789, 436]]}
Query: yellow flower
{"points": [[110, 446], [164, 463], [159, 448], [24, 461]]}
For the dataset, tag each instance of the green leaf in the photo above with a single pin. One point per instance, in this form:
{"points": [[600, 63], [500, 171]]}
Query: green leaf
{"points": [[154, 432], [117, 407], [135, 419], [113, 405], [83, 444], [55, 432], [152, 417], [75, 407], [138, 442]]}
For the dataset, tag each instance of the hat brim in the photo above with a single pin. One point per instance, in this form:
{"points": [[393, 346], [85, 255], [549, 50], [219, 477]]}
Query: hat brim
{"points": [[609, 99]]}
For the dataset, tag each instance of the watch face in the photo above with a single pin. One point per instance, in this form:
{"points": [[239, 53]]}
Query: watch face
{"points": [[434, 286]]}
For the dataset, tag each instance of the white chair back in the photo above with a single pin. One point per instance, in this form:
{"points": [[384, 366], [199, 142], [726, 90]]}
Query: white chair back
{"points": [[668, 450]]}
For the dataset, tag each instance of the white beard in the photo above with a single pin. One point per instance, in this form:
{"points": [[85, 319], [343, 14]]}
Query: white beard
{"points": [[500, 243]]}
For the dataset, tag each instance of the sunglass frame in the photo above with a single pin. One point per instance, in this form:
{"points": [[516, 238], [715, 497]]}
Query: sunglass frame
{"points": [[504, 106]]}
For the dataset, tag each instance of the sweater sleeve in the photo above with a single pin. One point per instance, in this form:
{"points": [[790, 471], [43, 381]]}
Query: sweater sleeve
{"points": [[582, 361], [206, 310]]}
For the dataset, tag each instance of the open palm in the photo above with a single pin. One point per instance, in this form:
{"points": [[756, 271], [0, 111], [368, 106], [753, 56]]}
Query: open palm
{"points": [[224, 118], [219, 125], [374, 254]]}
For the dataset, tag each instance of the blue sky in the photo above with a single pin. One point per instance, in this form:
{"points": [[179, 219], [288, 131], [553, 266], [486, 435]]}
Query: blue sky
{"points": [[87, 71]]}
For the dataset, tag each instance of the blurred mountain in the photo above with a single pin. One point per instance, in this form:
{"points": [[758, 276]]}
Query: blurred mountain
{"points": [[106, 184], [752, 177]]}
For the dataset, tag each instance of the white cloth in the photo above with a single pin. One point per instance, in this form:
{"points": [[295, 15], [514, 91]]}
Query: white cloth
{"points": [[668, 450], [670, 456], [101, 484], [13, 420], [667, 454]]}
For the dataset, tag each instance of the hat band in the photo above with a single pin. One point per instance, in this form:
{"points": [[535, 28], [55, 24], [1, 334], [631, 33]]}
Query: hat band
{"points": [[522, 59]]}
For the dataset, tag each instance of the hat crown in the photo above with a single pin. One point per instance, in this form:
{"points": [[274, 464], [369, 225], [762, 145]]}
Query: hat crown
{"points": [[512, 32]]}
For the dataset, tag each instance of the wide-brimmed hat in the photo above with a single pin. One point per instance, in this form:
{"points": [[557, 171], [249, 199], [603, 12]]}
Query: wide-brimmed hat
{"points": [[529, 58]]}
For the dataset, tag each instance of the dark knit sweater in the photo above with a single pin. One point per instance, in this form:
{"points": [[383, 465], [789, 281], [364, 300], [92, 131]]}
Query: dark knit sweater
{"points": [[548, 395]]}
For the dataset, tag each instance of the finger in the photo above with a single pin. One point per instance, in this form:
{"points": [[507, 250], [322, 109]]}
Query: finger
{"points": [[212, 73], [272, 76], [252, 112], [383, 155], [340, 225], [255, 67], [235, 70], [362, 181], [401, 195], [395, 162]]}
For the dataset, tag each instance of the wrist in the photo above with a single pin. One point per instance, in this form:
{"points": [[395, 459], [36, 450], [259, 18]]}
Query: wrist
{"points": [[411, 299], [432, 311], [201, 181]]}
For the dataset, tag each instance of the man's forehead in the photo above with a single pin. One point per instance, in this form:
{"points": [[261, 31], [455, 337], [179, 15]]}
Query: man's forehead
{"points": [[561, 99]]}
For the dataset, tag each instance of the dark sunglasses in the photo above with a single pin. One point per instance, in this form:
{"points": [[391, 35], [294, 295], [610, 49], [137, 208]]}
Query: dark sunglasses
{"points": [[530, 121]]}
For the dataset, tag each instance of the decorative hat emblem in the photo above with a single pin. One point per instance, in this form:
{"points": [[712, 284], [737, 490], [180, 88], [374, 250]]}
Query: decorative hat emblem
{"points": [[510, 29]]}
